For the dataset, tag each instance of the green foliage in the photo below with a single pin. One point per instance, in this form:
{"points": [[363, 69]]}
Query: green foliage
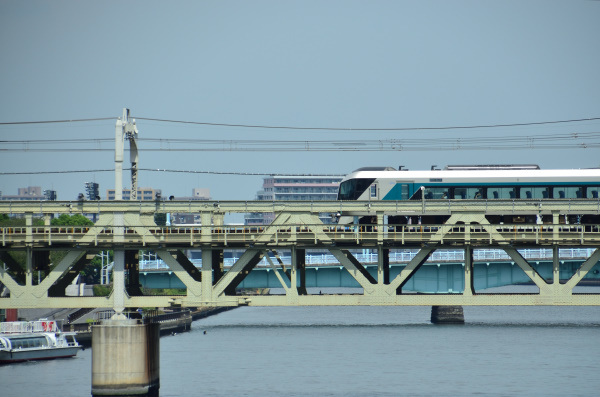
{"points": [[71, 220], [19, 256], [90, 274], [102, 290], [8, 221], [56, 257], [160, 219], [164, 291]]}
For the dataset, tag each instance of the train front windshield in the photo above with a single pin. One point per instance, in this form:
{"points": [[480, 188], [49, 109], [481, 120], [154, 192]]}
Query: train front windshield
{"points": [[353, 188]]}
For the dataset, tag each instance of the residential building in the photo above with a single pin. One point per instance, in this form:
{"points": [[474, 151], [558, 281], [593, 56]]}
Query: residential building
{"points": [[187, 218], [294, 188], [30, 193], [143, 194]]}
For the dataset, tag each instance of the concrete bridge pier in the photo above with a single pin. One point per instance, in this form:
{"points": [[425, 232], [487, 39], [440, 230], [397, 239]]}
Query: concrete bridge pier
{"points": [[125, 352], [125, 358], [447, 315]]}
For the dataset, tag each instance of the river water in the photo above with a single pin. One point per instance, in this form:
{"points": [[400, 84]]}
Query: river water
{"points": [[358, 351]]}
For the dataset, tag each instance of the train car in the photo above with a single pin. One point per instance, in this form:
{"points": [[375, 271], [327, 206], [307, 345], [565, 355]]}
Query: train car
{"points": [[458, 182]]}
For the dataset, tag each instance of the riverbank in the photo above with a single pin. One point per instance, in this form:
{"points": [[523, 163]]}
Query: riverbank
{"points": [[172, 322]]}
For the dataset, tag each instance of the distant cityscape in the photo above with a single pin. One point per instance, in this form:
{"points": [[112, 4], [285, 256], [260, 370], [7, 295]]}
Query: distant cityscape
{"points": [[274, 188], [30, 193]]}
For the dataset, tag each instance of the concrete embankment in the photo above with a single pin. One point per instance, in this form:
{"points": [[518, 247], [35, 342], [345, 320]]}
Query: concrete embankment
{"points": [[203, 312], [169, 323]]}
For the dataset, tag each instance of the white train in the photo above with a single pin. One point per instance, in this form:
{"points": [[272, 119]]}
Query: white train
{"points": [[487, 182]]}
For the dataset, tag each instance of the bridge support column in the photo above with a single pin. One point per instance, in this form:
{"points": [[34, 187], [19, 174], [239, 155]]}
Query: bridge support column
{"points": [[217, 265], [132, 264], [29, 267], [118, 293], [207, 274], [447, 315], [298, 270], [125, 358], [469, 289], [383, 265], [455, 314], [555, 267]]}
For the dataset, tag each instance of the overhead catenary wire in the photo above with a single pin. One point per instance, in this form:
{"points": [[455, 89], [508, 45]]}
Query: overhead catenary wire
{"points": [[55, 121], [282, 127], [398, 148], [318, 128], [575, 140], [163, 170], [539, 137]]}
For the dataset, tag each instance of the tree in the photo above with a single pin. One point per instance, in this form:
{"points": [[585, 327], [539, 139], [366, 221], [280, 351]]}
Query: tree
{"points": [[11, 221], [71, 220], [160, 219], [91, 273]]}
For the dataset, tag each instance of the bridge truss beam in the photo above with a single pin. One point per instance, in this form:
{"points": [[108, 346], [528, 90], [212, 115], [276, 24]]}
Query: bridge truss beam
{"points": [[128, 226]]}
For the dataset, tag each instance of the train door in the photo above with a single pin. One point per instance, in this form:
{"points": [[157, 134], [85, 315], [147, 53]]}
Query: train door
{"points": [[374, 192]]}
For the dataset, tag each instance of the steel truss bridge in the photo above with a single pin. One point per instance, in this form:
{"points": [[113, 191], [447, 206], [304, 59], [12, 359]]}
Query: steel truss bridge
{"points": [[127, 227]]}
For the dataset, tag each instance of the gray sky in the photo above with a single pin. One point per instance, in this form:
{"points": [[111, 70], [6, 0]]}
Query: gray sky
{"points": [[344, 64]]}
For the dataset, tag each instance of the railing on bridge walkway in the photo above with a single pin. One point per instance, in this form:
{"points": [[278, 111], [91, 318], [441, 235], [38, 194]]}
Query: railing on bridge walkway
{"points": [[306, 234], [405, 256]]}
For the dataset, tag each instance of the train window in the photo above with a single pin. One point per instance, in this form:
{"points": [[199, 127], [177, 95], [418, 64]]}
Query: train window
{"points": [[593, 192], [417, 194], [468, 193], [562, 192], [436, 193], [373, 191], [404, 189], [535, 192], [501, 193], [352, 189]]}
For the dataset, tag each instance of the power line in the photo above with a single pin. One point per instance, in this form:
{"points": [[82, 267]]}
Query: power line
{"points": [[164, 171], [308, 128], [52, 141], [458, 145], [54, 172], [228, 172], [575, 140], [55, 121], [368, 129]]}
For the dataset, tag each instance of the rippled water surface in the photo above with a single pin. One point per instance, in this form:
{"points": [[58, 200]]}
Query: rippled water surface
{"points": [[359, 351]]}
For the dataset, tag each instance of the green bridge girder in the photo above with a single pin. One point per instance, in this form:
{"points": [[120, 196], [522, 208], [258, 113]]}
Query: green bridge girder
{"points": [[446, 277]]}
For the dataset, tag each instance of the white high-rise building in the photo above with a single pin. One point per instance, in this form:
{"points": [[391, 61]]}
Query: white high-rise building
{"points": [[294, 188]]}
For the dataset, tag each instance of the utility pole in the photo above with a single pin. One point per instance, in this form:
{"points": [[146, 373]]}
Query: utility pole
{"points": [[125, 129]]}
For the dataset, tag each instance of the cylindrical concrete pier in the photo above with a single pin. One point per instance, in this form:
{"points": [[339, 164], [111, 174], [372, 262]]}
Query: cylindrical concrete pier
{"points": [[447, 315], [125, 358]]}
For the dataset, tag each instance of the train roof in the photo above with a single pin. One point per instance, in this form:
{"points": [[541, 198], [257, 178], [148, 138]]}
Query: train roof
{"points": [[590, 174], [375, 169], [493, 167]]}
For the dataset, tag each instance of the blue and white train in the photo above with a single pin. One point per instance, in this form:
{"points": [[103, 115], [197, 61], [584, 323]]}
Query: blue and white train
{"points": [[488, 182]]}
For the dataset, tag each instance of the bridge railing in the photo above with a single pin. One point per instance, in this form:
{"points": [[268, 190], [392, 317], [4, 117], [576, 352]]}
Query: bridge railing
{"points": [[404, 256], [578, 234]]}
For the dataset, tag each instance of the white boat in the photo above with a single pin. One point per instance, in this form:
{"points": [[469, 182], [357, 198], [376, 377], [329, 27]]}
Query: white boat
{"points": [[35, 340]]}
